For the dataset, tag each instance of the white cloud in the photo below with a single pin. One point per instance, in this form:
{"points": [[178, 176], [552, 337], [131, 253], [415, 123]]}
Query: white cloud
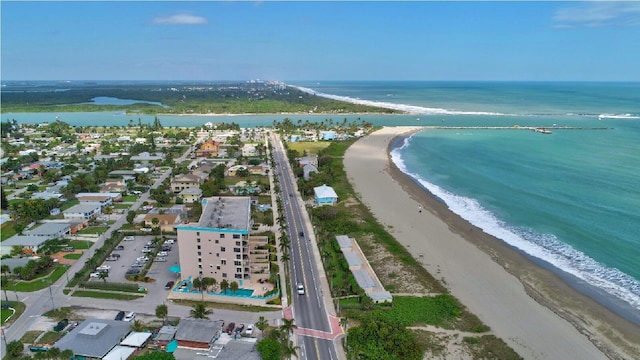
{"points": [[595, 14], [180, 19]]}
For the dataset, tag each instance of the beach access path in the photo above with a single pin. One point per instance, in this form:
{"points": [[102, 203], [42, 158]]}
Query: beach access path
{"points": [[481, 284]]}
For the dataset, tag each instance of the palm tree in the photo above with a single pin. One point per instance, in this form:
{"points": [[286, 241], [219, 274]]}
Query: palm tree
{"points": [[4, 269], [287, 326], [289, 350], [344, 322], [262, 324], [137, 326], [103, 275], [224, 285], [162, 311], [200, 311], [233, 286]]}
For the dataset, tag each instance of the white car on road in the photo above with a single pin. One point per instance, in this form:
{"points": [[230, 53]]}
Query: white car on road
{"points": [[300, 289]]}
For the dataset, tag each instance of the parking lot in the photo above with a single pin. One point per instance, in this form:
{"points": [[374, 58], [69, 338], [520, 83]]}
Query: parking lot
{"points": [[158, 270]]}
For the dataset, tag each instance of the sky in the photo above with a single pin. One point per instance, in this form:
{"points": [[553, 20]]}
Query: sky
{"points": [[269, 40]]}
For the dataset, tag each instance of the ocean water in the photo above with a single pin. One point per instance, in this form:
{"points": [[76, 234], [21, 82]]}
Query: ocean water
{"points": [[570, 199]]}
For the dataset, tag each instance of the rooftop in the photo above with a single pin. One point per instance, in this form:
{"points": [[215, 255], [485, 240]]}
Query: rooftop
{"points": [[94, 337], [232, 213], [199, 330]]}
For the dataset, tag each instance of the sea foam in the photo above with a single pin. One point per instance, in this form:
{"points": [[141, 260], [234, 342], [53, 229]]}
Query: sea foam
{"points": [[546, 247], [412, 109]]}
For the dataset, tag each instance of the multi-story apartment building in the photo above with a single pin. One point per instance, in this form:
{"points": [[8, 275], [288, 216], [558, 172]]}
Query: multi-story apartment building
{"points": [[219, 245]]}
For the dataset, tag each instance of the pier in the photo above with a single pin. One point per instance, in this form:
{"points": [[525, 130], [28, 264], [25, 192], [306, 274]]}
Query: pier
{"points": [[538, 129]]}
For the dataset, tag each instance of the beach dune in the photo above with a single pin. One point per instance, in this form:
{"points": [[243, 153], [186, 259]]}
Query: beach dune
{"points": [[474, 276]]}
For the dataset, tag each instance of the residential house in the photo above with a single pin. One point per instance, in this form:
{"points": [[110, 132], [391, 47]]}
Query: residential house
{"points": [[85, 211], [208, 149], [325, 195], [147, 157], [50, 230], [94, 338], [328, 135], [103, 201], [167, 222], [198, 333], [191, 195], [249, 150], [311, 159], [114, 185], [115, 196], [29, 243], [258, 169], [185, 181], [307, 170], [233, 170]]}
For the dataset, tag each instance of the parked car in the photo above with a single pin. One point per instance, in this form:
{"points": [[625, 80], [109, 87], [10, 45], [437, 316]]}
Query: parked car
{"points": [[103, 268], [129, 238], [166, 248], [94, 275], [130, 316], [145, 229], [132, 272], [119, 247], [137, 265], [169, 285], [239, 329], [120, 315], [146, 250], [161, 259], [112, 258], [249, 330], [163, 253], [170, 241], [68, 249], [61, 325], [230, 327], [142, 259]]}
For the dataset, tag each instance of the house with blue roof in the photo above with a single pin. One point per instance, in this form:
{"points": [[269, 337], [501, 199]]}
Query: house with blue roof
{"points": [[325, 195]]}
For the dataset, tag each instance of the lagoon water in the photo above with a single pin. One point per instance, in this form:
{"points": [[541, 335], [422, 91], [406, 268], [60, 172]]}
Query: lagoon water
{"points": [[570, 199]]}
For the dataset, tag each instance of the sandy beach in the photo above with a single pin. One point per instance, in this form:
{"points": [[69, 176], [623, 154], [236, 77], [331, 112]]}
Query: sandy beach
{"points": [[530, 308]]}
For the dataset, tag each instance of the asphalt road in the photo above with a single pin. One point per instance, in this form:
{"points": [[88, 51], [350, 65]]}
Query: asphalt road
{"points": [[309, 309]]}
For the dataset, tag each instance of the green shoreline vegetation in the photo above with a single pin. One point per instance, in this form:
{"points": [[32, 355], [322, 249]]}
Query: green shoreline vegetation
{"points": [[239, 98]]}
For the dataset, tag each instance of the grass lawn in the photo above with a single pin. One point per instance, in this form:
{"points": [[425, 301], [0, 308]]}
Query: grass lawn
{"points": [[30, 336], [80, 244], [39, 283], [104, 295], [16, 201], [50, 337], [93, 230], [127, 227], [122, 206], [72, 256], [128, 198], [69, 204], [312, 147], [18, 306], [7, 230], [4, 314]]}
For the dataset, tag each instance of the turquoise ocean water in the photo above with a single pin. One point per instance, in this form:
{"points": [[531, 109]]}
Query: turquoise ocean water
{"points": [[570, 200]]}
